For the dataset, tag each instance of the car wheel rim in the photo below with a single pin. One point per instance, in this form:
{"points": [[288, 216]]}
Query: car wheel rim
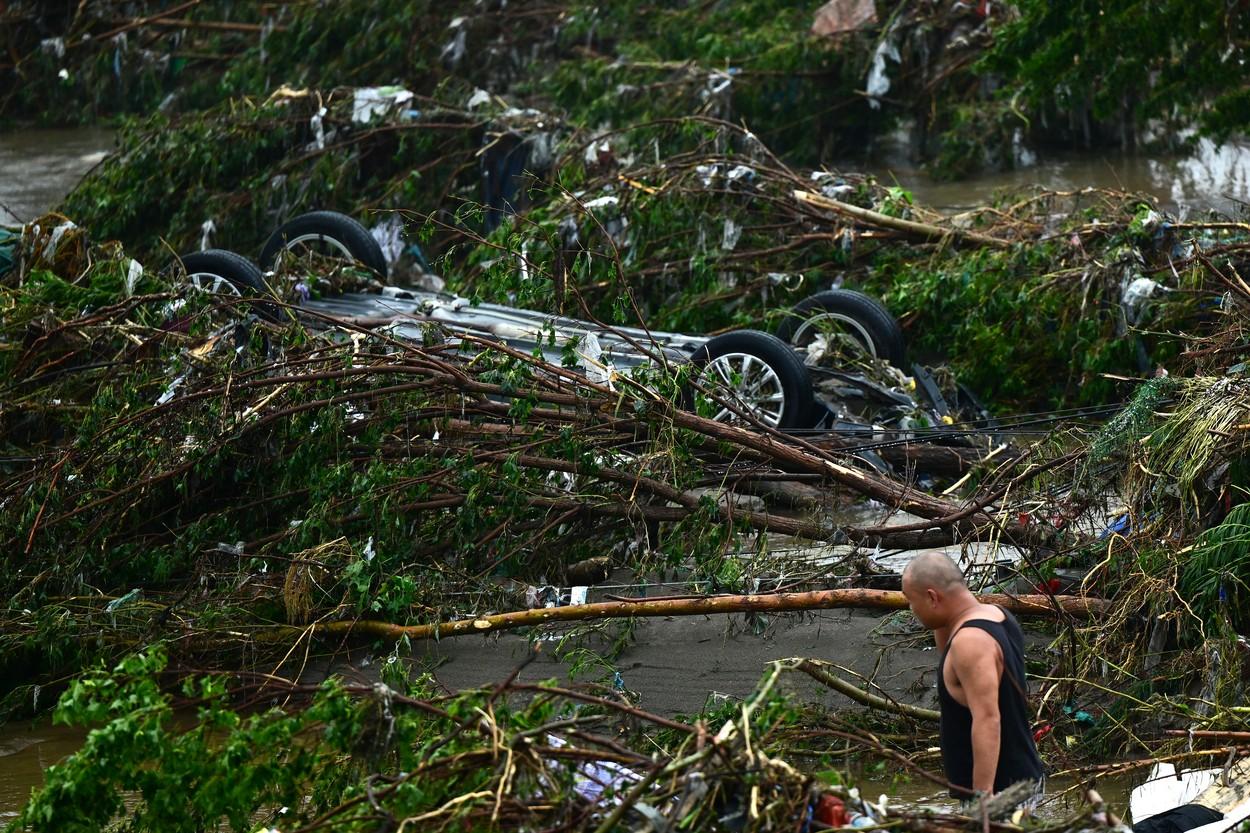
{"points": [[215, 284], [816, 335], [748, 383], [303, 241]]}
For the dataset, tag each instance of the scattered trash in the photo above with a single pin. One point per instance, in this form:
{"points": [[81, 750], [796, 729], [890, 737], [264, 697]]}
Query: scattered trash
{"points": [[840, 16], [53, 46], [454, 50], [1138, 291], [389, 234], [601, 202], [878, 81], [206, 234], [134, 271], [318, 128], [730, 234], [371, 103], [122, 601]]}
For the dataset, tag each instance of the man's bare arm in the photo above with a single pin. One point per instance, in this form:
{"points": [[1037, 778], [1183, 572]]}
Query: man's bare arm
{"points": [[978, 666]]}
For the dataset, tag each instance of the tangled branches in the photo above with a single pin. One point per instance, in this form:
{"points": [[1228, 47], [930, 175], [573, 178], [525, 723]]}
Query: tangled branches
{"points": [[163, 426], [511, 754]]}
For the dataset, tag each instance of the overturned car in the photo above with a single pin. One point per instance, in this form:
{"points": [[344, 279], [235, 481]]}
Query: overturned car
{"points": [[835, 361]]}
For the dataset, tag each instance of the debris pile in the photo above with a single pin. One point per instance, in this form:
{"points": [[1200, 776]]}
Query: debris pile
{"points": [[191, 454], [400, 755], [235, 478], [143, 430]]}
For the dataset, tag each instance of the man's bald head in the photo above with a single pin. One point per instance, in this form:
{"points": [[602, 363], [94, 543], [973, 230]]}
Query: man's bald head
{"points": [[934, 570], [935, 589]]}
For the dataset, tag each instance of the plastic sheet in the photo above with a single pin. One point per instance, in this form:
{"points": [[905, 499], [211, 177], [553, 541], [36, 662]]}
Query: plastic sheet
{"points": [[840, 16], [372, 103]]}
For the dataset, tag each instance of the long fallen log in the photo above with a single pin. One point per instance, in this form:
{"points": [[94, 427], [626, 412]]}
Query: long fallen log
{"points": [[911, 227], [1080, 606]]}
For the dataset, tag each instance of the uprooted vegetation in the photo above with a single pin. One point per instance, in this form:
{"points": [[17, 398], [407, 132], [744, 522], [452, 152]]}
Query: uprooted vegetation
{"points": [[512, 755], [696, 208], [194, 495], [183, 471], [695, 216]]}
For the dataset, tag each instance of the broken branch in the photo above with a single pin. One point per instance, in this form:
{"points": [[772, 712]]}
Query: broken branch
{"points": [[1080, 606], [876, 218]]}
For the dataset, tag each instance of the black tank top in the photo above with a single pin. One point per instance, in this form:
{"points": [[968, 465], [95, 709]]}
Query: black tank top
{"points": [[1017, 755]]}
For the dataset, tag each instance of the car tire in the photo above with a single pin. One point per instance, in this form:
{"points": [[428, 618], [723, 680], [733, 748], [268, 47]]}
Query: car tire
{"points": [[774, 384], [329, 227], [225, 272], [866, 318]]}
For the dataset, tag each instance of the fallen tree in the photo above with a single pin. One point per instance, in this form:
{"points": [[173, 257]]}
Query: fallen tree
{"points": [[189, 457], [1076, 606]]}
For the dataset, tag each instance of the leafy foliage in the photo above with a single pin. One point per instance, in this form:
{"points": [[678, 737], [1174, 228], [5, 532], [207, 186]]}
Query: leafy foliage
{"points": [[1187, 61], [351, 756], [1217, 576]]}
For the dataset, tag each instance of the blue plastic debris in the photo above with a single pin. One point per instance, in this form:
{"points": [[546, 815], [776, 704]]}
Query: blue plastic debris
{"points": [[1119, 526]]}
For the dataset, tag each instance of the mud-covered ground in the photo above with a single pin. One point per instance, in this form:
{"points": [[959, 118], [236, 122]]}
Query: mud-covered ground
{"points": [[679, 664]]}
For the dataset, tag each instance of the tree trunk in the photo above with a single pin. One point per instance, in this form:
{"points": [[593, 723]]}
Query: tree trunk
{"points": [[775, 602]]}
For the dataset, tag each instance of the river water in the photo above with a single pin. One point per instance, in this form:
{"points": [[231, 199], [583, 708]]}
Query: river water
{"points": [[1212, 177], [39, 167], [26, 750]]}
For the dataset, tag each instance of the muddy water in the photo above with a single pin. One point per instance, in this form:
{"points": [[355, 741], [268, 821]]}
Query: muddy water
{"points": [[39, 167], [1212, 177], [1064, 796], [25, 752]]}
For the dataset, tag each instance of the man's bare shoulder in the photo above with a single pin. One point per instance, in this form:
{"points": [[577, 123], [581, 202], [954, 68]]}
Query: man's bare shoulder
{"points": [[972, 636], [976, 664], [970, 647]]}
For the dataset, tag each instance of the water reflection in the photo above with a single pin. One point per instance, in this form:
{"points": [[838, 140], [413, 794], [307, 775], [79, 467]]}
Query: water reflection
{"points": [[1212, 177], [25, 752], [39, 167], [1220, 171]]}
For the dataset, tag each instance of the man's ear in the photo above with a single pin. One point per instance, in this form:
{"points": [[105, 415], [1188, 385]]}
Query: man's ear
{"points": [[932, 594]]}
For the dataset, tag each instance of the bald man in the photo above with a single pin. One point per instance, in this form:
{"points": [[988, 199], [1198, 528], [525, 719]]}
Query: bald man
{"points": [[986, 741]]}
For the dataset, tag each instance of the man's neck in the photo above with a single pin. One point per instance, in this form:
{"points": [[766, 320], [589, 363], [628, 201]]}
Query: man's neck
{"points": [[963, 606]]}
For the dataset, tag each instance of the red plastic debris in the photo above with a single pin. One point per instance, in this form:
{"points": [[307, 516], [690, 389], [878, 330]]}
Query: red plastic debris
{"points": [[830, 811], [1051, 586]]}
